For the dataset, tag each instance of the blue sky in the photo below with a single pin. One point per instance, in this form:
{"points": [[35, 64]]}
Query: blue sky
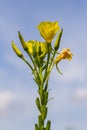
{"points": [[17, 89]]}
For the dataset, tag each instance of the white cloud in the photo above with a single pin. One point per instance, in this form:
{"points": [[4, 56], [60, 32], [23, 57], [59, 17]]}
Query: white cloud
{"points": [[6, 98], [75, 72], [16, 104], [80, 94]]}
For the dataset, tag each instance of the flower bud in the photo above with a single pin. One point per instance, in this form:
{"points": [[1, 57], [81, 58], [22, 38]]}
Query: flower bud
{"points": [[22, 41], [58, 39], [16, 50]]}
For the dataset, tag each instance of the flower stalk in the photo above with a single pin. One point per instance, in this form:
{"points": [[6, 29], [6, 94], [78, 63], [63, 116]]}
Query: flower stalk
{"points": [[43, 59]]}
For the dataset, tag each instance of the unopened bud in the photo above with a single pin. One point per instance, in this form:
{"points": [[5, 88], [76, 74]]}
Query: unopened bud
{"points": [[22, 41], [58, 39], [16, 50]]}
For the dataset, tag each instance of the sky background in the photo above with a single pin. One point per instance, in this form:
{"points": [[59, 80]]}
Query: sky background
{"points": [[68, 109]]}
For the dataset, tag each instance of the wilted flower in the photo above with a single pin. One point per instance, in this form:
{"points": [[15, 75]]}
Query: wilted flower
{"points": [[48, 30], [65, 54]]}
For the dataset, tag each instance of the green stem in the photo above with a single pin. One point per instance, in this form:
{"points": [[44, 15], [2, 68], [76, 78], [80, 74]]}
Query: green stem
{"points": [[35, 72], [48, 69], [52, 58], [47, 64], [41, 103]]}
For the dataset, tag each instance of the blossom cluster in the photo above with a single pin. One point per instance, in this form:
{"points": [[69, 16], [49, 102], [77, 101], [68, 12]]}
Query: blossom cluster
{"points": [[39, 49]]}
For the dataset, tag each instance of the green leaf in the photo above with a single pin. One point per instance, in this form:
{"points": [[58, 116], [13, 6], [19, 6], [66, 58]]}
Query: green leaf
{"points": [[40, 121], [36, 127], [46, 97], [48, 125], [38, 104]]}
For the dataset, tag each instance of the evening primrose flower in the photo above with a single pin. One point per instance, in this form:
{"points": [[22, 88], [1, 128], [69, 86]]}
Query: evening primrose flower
{"points": [[36, 48], [48, 30], [29, 46], [65, 54]]}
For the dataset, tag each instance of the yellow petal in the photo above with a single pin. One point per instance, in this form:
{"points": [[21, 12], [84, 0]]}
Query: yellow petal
{"points": [[48, 30]]}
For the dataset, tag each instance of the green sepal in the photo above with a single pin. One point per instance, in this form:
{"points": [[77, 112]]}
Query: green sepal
{"points": [[58, 39]]}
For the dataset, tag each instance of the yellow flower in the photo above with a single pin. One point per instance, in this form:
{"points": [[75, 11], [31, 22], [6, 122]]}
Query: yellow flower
{"points": [[65, 54], [29, 46], [48, 30], [16, 50], [36, 48]]}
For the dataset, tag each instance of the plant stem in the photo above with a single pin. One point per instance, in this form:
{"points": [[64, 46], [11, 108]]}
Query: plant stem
{"points": [[41, 103]]}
